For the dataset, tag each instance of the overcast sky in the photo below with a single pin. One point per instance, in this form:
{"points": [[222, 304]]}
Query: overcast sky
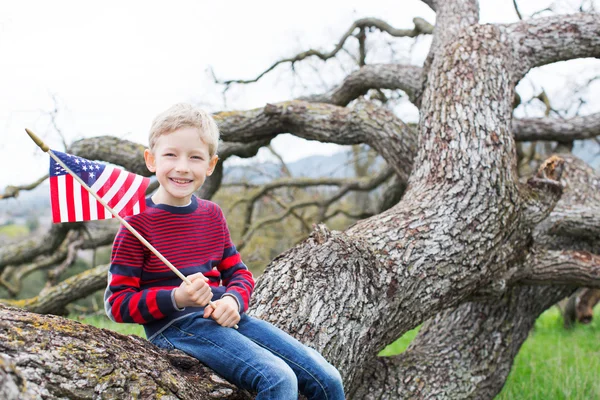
{"points": [[109, 67]]}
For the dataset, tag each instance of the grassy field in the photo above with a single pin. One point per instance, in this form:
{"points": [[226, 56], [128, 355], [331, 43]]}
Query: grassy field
{"points": [[13, 231], [553, 363]]}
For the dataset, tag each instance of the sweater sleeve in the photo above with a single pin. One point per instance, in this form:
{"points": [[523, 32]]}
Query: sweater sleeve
{"points": [[124, 300], [235, 275]]}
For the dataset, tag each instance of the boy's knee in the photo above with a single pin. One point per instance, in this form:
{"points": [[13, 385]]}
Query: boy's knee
{"points": [[283, 380], [331, 383]]}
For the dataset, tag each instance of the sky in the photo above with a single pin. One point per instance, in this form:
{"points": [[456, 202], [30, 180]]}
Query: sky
{"points": [[109, 67]]}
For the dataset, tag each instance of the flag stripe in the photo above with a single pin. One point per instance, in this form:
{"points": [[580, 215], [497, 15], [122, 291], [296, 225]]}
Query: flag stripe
{"points": [[93, 207], [62, 199], [113, 189], [77, 206], [85, 204], [54, 199], [102, 179], [126, 203], [121, 190]]}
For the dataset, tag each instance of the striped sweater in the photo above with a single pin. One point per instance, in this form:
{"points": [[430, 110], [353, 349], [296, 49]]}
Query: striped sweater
{"points": [[194, 238]]}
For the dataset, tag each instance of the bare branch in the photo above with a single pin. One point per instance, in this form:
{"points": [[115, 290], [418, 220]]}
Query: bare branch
{"points": [[558, 129], [565, 228], [13, 191], [12, 276], [114, 150], [358, 185], [93, 235], [547, 40], [363, 123], [284, 167], [517, 9], [55, 299], [29, 249], [282, 204], [73, 246], [421, 27], [551, 267], [577, 221], [407, 78]]}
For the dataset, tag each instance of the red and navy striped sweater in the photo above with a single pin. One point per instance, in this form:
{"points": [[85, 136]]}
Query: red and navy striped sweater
{"points": [[194, 238]]}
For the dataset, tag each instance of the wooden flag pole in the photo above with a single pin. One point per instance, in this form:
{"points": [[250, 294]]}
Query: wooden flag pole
{"points": [[126, 224]]}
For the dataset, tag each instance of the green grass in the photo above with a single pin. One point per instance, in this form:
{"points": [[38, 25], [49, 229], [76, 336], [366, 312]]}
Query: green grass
{"points": [[401, 344], [101, 321], [13, 231], [553, 363]]}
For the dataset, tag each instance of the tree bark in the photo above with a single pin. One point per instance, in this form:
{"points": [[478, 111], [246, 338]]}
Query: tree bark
{"points": [[464, 353], [60, 358]]}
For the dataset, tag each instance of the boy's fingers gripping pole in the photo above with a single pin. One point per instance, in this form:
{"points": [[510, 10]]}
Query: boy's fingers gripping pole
{"points": [[126, 224]]}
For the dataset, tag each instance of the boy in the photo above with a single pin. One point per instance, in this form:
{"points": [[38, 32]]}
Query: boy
{"points": [[193, 235]]}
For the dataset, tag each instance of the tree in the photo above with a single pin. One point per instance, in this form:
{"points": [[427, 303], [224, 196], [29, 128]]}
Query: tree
{"points": [[470, 250]]}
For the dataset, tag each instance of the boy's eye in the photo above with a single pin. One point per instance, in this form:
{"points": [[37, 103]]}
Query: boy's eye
{"points": [[197, 158], [169, 155]]}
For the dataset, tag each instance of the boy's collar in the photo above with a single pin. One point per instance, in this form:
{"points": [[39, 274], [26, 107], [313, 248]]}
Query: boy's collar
{"points": [[174, 209]]}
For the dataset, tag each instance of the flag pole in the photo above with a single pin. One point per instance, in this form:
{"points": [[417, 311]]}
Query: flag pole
{"points": [[126, 224]]}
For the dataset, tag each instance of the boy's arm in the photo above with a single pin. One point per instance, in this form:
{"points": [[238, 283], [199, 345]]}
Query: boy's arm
{"points": [[124, 301], [235, 275]]}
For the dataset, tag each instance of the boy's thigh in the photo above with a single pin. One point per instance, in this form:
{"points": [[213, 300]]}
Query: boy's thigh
{"points": [[301, 358], [225, 350]]}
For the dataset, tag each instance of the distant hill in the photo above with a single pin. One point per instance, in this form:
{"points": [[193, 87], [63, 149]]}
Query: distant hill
{"points": [[337, 165]]}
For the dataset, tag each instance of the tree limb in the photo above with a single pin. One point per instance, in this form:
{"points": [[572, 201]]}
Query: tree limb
{"points": [[407, 78], [363, 123], [558, 129], [547, 40], [13, 191], [550, 267], [576, 221], [465, 352], [359, 184], [101, 363], [421, 27], [53, 300], [29, 249]]}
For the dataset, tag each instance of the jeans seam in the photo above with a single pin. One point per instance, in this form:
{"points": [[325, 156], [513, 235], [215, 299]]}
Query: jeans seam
{"points": [[167, 340], [182, 331], [230, 353], [295, 363]]}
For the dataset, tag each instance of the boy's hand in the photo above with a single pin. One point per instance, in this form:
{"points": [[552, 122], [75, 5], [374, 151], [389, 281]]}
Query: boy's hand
{"points": [[196, 294], [224, 311]]}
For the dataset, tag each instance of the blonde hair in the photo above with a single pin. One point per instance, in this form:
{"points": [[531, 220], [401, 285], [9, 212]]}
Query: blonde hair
{"points": [[184, 115]]}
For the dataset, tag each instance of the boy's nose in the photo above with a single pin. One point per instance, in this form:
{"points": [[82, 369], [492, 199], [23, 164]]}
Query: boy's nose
{"points": [[182, 166]]}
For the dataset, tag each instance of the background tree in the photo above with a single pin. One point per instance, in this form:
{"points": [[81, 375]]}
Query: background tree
{"points": [[471, 249]]}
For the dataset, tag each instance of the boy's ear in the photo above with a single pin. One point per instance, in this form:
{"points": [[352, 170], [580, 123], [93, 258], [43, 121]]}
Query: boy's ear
{"points": [[212, 164], [150, 160]]}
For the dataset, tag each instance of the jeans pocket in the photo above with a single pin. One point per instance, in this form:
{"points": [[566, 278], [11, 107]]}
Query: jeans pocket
{"points": [[161, 341]]}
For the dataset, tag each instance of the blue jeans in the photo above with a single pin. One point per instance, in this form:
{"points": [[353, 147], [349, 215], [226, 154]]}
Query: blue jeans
{"points": [[257, 356]]}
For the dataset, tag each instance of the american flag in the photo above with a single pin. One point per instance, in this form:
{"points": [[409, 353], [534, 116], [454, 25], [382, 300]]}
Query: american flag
{"points": [[121, 190]]}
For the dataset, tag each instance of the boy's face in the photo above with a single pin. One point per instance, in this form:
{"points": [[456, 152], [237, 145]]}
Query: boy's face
{"points": [[181, 162]]}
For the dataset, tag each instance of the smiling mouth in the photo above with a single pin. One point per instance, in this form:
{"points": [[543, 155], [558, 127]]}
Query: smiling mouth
{"points": [[180, 181]]}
